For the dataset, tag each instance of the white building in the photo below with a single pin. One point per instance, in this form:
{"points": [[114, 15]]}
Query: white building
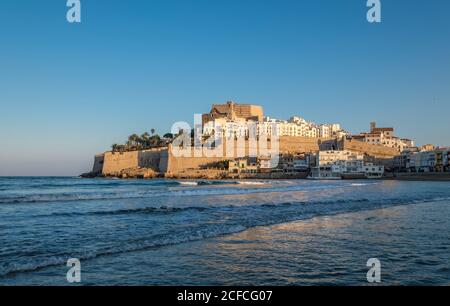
{"points": [[385, 137], [372, 171], [331, 130], [429, 161], [229, 129], [296, 127], [339, 164]]}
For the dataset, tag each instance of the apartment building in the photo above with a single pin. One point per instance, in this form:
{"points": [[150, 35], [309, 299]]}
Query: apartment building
{"points": [[296, 127], [344, 164], [243, 165], [226, 128], [427, 161], [294, 162]]}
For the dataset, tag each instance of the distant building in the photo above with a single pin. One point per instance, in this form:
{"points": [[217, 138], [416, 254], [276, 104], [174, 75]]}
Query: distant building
{"points": [[384, 136], [294, 163], [265, 164], [243, 165], [427, 147], [426, 161], [400, 162], [344, 164], [422, 162], [295, 127], [242, 120], [224, 127], [232, 111]]}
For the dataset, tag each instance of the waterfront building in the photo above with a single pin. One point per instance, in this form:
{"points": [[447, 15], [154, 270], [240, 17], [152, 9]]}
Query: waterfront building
{"points": [[446, 160], [294, 163], [372, 171], [344, 164], [265, 164], [424, 161], [301, 162], [243, 165], [428, 161], [401, 161]]}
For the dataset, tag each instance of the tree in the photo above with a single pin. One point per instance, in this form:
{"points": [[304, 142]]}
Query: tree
{"points": [[155, 140], [142, 142], [145, 140], [133, 141]]}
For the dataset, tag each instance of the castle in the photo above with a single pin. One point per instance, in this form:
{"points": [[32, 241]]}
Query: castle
{"points": [[165, 161], [232, 111]]}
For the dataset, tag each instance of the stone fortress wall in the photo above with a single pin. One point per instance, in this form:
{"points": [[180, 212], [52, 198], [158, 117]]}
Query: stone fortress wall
{"points": [[377, 151], [165, 161], [99, 160], [155, 159]]}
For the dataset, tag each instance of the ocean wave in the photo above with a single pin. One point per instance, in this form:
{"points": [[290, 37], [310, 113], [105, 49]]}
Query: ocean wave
{"points": [[171, 210], [126, 194], [140, 210], [359, 184], [189, 183], [104, 183], [130, 246], [185, 188], [253, 183], [62, 197], [239, 218]]}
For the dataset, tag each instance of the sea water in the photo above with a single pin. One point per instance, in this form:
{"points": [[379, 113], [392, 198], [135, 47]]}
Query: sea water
{"points": [[267, 232]]}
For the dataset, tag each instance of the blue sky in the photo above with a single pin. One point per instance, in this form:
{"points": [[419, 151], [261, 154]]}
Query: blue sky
{"points": [[68, 91]]}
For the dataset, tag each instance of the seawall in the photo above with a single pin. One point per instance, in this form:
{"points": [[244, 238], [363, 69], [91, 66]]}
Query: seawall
{"points": [[155, 159]]}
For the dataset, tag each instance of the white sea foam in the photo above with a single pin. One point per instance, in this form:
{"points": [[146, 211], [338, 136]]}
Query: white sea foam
{"points": [[130, 246], [144, 193], [251, 183], [189, 183]]}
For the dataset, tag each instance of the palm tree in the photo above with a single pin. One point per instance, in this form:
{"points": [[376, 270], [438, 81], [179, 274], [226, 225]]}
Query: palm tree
{"points": [[133, 141], [155, 140], [153, 131], [145, 138]]}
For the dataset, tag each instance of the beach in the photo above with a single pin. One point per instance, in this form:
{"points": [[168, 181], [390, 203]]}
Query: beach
{"points": [[160, 232]]}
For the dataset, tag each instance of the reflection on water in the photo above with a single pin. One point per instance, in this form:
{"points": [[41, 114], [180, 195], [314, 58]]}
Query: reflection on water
{"points": [[223, 233]]}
